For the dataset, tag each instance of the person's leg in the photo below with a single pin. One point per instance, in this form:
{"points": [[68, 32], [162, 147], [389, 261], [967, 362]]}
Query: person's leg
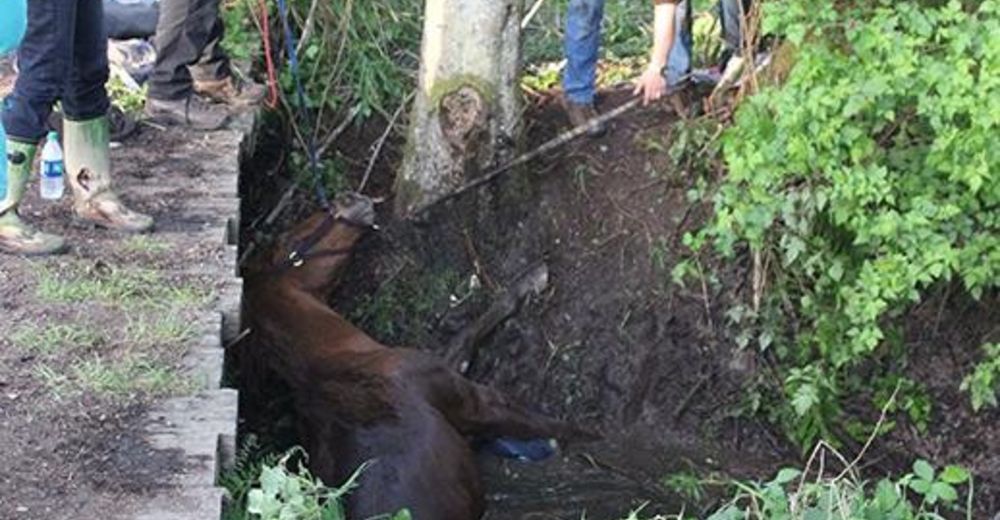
{"points": [[43, 58], [731, 13], [170, 98], [176, 50], [679, 61], [207, 29], [731, 18], [582, 45], [45, 55], [85, 129], [210, 69]]}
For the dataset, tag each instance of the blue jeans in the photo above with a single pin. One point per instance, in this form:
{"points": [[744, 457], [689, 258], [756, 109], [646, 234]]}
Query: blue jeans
{"points": [[63, 57], [583, 42]]}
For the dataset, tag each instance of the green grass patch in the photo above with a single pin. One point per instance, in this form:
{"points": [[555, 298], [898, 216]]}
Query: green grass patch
{"points": [[125, 378], [155, 330], [143, 244], [46, 339], [118, 287]]}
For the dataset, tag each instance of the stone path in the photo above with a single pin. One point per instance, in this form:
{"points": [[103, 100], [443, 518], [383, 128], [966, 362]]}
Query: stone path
{"points": [[112, 402]]}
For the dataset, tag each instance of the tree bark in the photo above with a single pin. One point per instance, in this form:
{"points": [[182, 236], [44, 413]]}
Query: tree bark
{"points": [[466, 116]]}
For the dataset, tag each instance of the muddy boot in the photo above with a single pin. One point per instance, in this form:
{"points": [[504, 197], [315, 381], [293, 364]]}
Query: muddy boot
{"points": [[232, 90], [17, 237], [191, 111], [88, 169], [581, 114]]}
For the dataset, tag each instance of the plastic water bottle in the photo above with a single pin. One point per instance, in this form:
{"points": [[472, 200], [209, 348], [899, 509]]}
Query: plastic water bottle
{"points": [[52, 168]]}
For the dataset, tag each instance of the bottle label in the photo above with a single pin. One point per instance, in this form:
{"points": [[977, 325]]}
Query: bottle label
{"points": [[52, 169]]}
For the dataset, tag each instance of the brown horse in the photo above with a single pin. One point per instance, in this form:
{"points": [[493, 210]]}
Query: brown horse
{"points": [[359, 401]]}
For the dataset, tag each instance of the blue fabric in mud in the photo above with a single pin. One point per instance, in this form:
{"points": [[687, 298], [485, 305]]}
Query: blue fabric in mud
{"points": [[532, 450]]}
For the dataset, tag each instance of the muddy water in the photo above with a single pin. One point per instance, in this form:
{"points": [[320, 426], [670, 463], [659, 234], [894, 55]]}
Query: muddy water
{"points": [[602, 480]]}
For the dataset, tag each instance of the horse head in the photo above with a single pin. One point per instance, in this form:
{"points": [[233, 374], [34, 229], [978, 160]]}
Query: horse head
{"points": [[313, 254]]}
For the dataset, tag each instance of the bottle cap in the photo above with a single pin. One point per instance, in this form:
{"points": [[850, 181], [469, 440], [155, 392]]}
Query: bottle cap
{"points": [[53, 135]]}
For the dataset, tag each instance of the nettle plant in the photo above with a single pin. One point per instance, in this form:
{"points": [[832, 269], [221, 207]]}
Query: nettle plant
{"points": [[923, 494], [869, 175]]}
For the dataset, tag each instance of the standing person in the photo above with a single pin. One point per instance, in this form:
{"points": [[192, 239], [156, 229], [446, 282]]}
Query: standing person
{"points": [[670, 55], [191, 62], [582, 45], [63, 58]]}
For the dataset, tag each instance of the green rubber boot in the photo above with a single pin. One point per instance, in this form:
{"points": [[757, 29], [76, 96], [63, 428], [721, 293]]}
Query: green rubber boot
{"points": [[88, 170], [16, 236]]}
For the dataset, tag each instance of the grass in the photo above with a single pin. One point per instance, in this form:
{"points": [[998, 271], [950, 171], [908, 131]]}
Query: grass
{"points": [[158, 330], [143, 244], [123, 378], [118, 287], [46, 339], [146, 323]]}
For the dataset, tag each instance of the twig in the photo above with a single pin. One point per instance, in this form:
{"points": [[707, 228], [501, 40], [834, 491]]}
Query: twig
{"points": [[541, 150], [269, 220], [381, 142], [531, 13], [328, 141], [683, 405], [871, 438], [307, 27], [239, 338], [548, 146]]}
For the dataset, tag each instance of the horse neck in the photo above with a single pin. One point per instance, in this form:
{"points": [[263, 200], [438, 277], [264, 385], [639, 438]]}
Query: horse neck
{"points": [[301, 316]]}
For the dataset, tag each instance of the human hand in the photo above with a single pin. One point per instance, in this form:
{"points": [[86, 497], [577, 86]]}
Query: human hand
{"points": [[651, 85]]}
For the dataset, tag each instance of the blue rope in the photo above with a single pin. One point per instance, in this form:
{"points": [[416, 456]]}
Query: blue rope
{"points": [[300, 95]]}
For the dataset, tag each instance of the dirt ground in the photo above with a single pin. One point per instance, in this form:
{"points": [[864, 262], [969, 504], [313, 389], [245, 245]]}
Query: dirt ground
{"points": [[611, 343], [90, 338]]}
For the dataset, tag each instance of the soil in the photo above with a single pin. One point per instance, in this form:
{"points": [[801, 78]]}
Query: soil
{"points": [[72, 450], [612, 343]]}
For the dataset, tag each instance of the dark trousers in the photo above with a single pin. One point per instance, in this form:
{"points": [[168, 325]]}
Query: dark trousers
{"points": [[64, 57], [189, 46]]}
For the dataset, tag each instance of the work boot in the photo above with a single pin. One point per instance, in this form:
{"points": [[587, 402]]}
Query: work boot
{"points": [[16, 236], [191, 111], [232, 90], [581, 114], [88, 169]]}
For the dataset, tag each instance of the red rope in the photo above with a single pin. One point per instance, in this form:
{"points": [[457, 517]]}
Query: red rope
{"points": [[272, 79]]}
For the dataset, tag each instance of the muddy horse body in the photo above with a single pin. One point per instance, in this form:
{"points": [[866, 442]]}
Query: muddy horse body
{"points": [[404, 412]]}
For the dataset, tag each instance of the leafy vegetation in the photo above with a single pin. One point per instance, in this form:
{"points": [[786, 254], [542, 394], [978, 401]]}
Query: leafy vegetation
{"points": [[866, 178], [982, 383], [265, 486], [790, 496]]}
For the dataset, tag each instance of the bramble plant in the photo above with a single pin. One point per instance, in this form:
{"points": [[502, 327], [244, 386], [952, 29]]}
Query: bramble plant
{"points": [[865, 178]]}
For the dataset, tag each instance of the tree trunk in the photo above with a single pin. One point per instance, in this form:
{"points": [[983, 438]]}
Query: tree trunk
{"points": [[466, 116]]}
